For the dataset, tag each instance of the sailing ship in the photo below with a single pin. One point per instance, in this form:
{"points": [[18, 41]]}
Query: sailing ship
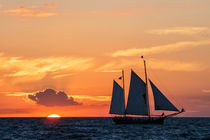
{"points": [[138, 102]]}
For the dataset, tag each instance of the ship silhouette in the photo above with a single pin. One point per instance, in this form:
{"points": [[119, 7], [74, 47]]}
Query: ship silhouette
{"points": [[138, 102]]}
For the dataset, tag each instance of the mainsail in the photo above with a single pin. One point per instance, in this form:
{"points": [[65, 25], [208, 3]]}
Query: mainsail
{"points": [[137, 102], [118, 100], [161, 102]]}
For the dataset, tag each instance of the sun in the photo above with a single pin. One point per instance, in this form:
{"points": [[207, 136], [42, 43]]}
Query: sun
{"points": [[54, 116]]}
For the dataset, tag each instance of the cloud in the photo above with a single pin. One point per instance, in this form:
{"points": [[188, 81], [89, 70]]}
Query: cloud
{"points": [[49, 5], [94, 98], [116, 65], [168, 65], [206, 90], [160, 49], [79, 97], [16, 93], [15, 111], [109, 67], [176, 65], [62, 75], [32, 11], [23, 6], [39, 14], [50, 97], [180, 30], [19, 11], [21, 69]]}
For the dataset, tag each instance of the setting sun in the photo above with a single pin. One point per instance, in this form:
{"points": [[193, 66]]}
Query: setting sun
{"points": [[54, 116]]}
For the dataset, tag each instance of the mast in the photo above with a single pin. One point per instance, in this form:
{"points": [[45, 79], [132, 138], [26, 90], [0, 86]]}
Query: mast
{"points": [[147, 95], [123, 81], [123, 85]]}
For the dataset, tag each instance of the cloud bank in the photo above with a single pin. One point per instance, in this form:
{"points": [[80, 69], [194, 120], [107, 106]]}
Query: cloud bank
{"points": [[50, 97], [180, 30], [15, 110], [168, 65], [21, 69], [160, 49]]}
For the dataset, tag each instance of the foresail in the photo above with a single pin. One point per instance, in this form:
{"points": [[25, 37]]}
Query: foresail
{"points": [[161, 102], [118, 100], [137, 102]]}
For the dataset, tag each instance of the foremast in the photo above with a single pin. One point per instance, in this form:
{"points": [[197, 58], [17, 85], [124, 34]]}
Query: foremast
{"points": [[147, 95]]}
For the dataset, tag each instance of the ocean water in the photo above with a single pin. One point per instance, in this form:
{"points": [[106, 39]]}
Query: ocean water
{"points": [[101, 128]]}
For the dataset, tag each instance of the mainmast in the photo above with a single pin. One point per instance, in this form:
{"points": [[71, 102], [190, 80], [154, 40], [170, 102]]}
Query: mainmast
{"points": [[123, 84], [147, 95], [123, 81]]}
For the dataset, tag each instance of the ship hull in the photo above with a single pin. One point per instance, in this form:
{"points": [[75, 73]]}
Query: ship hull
{"points": [[138, 120]]}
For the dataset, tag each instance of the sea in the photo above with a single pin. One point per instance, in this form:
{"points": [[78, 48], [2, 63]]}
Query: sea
{"points": [[95, 128]]}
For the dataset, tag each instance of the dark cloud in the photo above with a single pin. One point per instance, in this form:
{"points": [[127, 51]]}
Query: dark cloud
{"points": [[52, 98]]}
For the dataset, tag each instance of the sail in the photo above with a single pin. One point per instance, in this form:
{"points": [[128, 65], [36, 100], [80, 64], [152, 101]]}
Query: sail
{"points": [[118, 100], [161, 102], [137, 99]]}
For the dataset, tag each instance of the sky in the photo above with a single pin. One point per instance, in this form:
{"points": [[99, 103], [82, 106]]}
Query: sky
{"points": [[61, 56]]}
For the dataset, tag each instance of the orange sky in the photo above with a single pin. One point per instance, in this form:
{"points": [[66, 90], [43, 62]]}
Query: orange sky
{"points": [[79, 47]]}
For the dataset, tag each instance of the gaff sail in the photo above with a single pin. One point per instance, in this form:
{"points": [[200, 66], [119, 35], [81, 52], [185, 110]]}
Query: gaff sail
{"points": [[137, 99], [118, 100]]}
